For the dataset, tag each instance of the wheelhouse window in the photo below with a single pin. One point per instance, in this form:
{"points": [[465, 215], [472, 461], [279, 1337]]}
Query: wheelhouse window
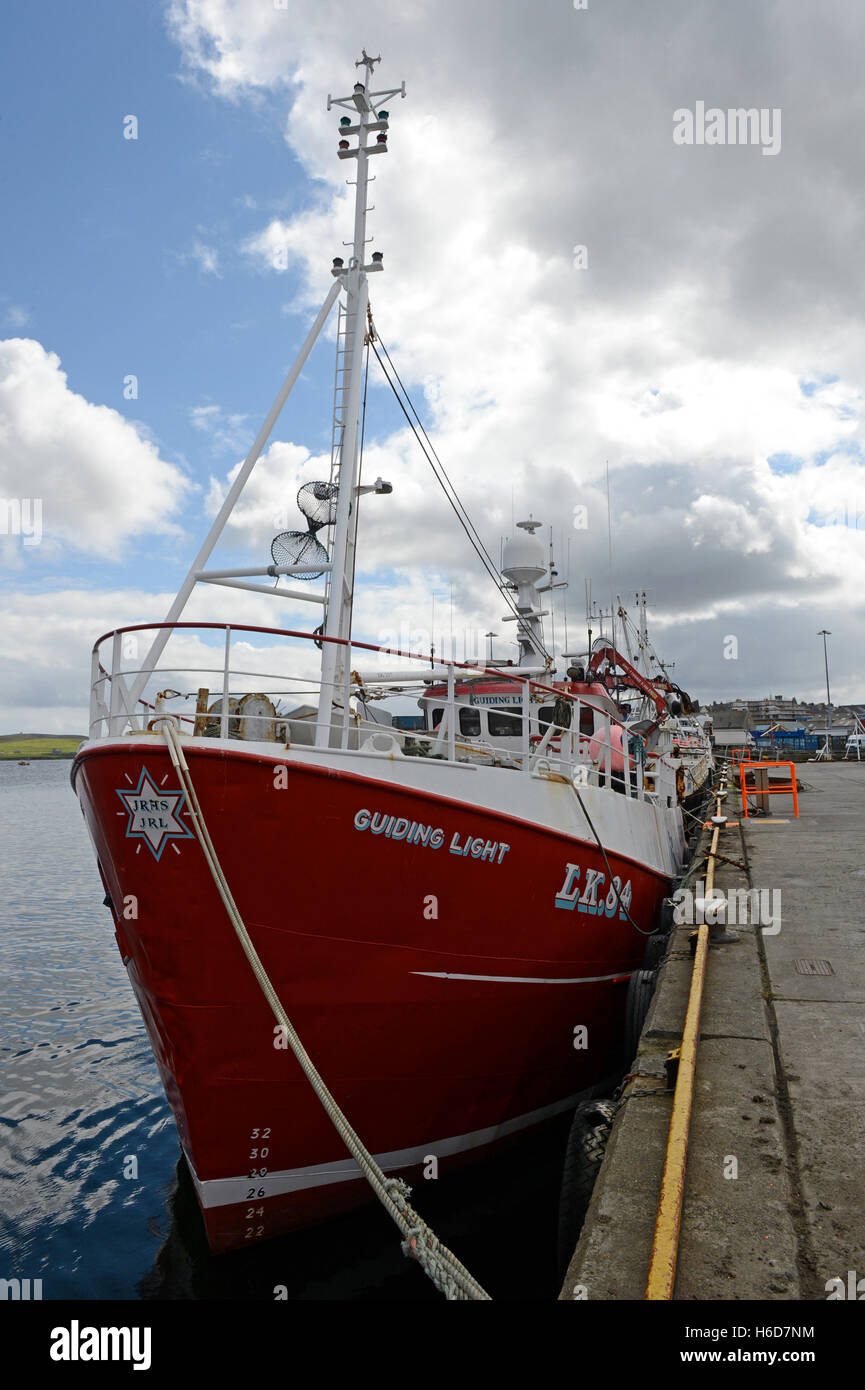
{"points": [[470, 722], [502, 725], [547, 716]]}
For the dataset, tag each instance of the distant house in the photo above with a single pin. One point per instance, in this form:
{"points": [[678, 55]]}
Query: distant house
{"points": [[726, 739], [734, 719]]}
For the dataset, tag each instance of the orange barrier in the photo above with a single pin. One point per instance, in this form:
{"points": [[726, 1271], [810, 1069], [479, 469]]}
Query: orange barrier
{"points": [[740, 755], [772, 790]]}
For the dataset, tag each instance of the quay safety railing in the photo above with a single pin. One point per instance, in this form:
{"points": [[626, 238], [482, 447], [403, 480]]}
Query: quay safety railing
{"points": [[746, 769], [618, 760], [740, 755]]}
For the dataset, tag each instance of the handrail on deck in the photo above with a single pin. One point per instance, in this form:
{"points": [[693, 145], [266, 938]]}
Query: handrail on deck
{"points": [[594, 751], [510, 673]]}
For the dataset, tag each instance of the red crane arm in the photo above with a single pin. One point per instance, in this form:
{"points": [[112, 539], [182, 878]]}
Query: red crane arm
{"points": [[615, 659]]}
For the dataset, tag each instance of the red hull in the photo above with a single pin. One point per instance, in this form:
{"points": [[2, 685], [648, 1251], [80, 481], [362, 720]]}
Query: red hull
{"points": [[438, 993]]}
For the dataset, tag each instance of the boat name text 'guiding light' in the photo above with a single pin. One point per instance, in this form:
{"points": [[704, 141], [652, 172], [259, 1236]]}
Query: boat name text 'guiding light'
{"points": [[414, 833]]}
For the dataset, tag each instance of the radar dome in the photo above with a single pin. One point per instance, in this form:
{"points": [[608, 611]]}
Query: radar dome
{"points": [[523, 556]]}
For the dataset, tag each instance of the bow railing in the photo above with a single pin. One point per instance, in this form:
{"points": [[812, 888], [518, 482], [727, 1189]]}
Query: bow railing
{"points": [[209, 675]]}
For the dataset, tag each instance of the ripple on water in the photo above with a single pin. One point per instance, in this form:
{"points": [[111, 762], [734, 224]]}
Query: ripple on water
{"points": [[82, 1098], [70, 1123]]}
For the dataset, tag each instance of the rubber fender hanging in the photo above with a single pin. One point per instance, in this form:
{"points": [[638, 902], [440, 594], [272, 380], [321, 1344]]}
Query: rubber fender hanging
{"points": [[656, 947], [641, 987], [665, 918], [587, 1142]]}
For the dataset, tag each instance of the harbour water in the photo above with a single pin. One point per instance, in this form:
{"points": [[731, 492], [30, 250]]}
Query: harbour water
{"points": [[93, 1200]]}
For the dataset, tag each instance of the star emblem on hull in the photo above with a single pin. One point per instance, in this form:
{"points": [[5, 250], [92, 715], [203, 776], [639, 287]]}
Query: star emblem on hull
{"points": [[154, 814]]}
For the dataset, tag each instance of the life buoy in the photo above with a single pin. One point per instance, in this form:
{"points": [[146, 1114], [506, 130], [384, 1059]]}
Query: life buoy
{"points": [[598, 748]]}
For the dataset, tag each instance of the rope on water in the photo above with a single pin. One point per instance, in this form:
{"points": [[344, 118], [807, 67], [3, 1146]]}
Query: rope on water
{"points": [[420, 1243]]}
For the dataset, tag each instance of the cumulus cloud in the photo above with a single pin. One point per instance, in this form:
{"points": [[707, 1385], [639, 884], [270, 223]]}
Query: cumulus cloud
{"points": [[226, 431], [98, 480], [703, 343], [710, 352], [46, 639]]}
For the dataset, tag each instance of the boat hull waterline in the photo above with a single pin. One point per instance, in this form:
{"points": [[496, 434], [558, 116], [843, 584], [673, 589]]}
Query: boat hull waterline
{"points": [[456, 972]]}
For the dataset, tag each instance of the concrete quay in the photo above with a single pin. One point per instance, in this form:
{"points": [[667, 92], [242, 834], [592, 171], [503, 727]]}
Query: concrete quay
{"points": [[775, 1189]]}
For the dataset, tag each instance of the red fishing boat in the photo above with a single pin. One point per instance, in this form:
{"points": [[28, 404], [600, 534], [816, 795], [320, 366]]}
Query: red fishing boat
{"points": [[449, 914]]}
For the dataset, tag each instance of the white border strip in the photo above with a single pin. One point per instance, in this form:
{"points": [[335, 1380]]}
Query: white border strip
{"points": [[528, 979], [223, 1192]]}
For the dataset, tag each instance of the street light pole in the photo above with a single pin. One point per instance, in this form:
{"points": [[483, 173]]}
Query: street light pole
{"points": [[824, 633]]}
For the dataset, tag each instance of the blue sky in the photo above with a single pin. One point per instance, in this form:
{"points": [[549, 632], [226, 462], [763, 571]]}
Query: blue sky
{"points": [[100, 238], [127, 254], [709, 354]]}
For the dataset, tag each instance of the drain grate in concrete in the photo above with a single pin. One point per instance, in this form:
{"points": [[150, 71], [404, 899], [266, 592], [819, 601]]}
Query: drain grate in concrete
{"points": [[814, 967]]}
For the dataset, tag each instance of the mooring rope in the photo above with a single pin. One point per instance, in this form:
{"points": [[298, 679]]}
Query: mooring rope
{"points": [[420, 1243], [599, 843]]}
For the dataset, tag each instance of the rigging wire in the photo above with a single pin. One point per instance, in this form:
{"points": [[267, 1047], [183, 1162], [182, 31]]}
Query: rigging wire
{"points": [[450, 492], [359, 472]]}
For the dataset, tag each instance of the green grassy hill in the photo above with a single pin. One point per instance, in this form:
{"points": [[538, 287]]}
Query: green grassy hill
{"points": [[15, 746]]}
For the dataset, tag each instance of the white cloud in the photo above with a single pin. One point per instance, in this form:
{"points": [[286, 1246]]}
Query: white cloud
{"points": [[98, 480], [207, 259], [226, 431], [16, 316], [46, 639], [678, 356]]}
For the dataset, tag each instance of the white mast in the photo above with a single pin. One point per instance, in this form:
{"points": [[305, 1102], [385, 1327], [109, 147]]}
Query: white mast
{"points": [[353, 281], [643, 641], [363, 104], [524, 566], [624, 617]]}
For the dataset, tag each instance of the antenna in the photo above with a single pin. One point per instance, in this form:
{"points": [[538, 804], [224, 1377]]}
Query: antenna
{"points": [[552, 599], [453, 652], [610, 559], [565, 594], [367, 62]]}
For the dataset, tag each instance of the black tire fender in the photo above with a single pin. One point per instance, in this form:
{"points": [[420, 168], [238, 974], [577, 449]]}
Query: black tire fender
{"points": [[641, 987], [656, 946], [584, 1154]]}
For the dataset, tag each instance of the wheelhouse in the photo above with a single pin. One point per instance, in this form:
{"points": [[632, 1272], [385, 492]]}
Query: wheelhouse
{"points": [[492, 711]]}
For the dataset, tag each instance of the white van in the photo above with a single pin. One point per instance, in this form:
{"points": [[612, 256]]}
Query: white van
{"points": [[856, 745]]}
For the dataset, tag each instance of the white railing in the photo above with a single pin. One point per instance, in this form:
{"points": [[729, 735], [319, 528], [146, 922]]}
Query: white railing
{"points": [[539, 748]]}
